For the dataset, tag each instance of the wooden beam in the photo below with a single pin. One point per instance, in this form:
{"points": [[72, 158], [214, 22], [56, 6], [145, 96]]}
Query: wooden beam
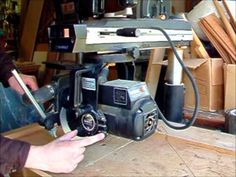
{"points": [[197, 44], [207, 119], [154, 69], [213, 24], [204, 138], [30, 29], [227, 25], [231, 18]]}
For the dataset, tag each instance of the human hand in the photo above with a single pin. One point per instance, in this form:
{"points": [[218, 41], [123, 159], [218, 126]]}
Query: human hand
{"points": [[28, 80], [61, 155]]}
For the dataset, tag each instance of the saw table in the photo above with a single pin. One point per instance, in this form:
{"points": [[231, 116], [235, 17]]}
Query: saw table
{"points": [[192, 152]]}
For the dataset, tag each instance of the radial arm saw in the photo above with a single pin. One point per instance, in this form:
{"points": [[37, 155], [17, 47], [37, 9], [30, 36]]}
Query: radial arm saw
{"points": [[85, 100]]}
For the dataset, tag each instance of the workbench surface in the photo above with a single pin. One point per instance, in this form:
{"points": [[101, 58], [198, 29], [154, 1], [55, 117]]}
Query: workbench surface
{"points": [[193, 152]]}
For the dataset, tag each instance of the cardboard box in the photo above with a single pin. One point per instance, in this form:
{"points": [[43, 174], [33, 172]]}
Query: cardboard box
{"points": [[208, 74], [230, 86]]}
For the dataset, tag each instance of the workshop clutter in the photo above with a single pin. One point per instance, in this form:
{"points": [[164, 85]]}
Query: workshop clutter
{"points": [[208, 74], [215, 77]]}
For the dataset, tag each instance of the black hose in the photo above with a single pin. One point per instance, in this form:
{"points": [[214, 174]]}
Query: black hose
{"points": [[186, 70]]}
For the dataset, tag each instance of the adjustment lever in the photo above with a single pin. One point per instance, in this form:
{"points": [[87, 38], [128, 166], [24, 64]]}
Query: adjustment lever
{"points": [[32, 99], [28, 93]]}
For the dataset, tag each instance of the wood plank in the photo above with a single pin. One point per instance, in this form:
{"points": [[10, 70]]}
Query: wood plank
{"points": [[30, 173], [205, 164], [152, 157], [198, 47], [212, 23], [214, 42], [224, 19], [24, 5], [49, 73], [191, 152], [197, 44], [154, 69], [231, 18], [23, 131], [42, 47], [211, 140], [210, 120], [30, 29]]}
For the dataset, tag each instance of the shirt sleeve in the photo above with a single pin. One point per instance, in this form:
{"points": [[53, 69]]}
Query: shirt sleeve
{"points": [[13, 154], [6, 65]]}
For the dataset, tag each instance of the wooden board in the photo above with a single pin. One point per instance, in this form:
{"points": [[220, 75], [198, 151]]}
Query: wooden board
{"points": [[215, 43], [30, 29], [191, 152], [225, 21], [212, 23], [197, 48], [154, 70], [214, 30], [231, 17]]}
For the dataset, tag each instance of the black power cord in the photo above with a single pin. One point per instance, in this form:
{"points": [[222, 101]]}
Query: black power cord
{"points": [[129, 32], [186, 70]]}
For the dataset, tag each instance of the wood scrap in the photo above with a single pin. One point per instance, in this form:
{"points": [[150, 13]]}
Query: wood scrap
{"points": [[154, 69], [224, 19], [198, 46], [231, 18], [212, 22], [212, 26], [218, 47]]}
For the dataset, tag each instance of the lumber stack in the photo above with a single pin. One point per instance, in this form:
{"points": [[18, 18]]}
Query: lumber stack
{"points": [[214, 75], [221, 33]]}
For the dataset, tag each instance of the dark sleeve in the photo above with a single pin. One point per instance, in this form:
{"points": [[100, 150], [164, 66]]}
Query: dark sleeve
{"points": [[13, 154], [6, 65]]}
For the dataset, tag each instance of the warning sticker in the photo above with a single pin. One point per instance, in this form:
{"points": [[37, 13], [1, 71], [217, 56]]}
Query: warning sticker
{"points": [[89, 83]]}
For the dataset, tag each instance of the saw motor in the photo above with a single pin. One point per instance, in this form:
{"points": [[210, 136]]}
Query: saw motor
{"points": [[86, 101]]}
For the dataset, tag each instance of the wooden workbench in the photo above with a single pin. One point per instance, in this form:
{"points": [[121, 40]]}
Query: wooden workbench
{"points": [[193, 152]]}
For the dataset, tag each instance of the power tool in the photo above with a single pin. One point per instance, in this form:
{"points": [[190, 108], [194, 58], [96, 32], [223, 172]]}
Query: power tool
{"points": [[85, 100]]}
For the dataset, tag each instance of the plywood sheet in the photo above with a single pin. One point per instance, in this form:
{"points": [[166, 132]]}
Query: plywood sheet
{"points": [[192, 152]]}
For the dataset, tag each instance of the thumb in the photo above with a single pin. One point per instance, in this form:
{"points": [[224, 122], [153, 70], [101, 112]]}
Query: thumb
{"points": [[68, 136]]}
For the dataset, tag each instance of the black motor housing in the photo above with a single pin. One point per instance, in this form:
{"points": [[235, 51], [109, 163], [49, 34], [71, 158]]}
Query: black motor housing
{"points": [[86, 101], [129, 109]]}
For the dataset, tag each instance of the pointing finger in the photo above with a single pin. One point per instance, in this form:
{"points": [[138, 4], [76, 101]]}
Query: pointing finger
{"points": [[91, 140], [68, 136]]}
